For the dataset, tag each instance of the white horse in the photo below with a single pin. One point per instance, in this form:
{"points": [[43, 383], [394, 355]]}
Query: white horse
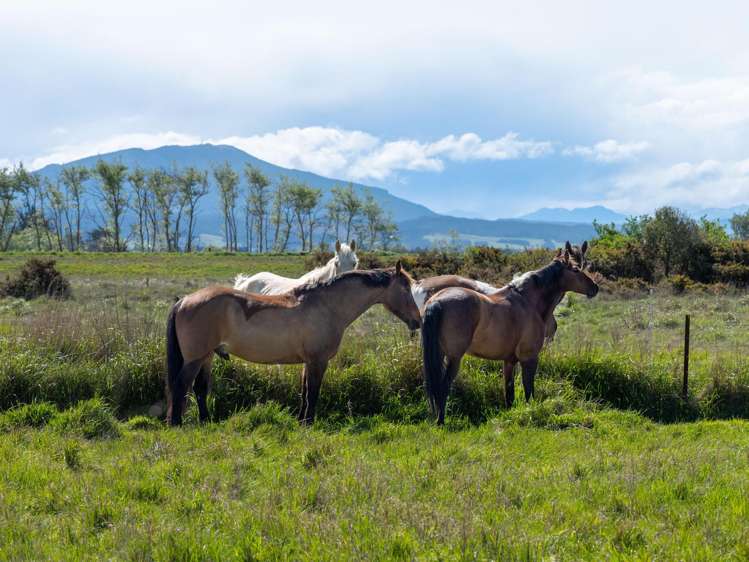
{"points": [[266, 283]]}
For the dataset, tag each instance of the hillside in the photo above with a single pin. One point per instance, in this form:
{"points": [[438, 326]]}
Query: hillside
{"points": [[419, 226], [581, 214]]}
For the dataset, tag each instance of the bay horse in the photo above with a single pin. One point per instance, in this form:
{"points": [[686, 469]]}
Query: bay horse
{"points": [[303, 326], [267, 283], [508, 325]]}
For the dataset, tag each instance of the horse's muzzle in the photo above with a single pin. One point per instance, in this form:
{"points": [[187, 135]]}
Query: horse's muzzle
{"points": [[414, 325], [593, 292]]}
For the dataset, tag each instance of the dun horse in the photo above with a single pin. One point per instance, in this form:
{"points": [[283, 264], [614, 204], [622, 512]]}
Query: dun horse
{"points": [[509, 325], [303, 326], [266, 283]]}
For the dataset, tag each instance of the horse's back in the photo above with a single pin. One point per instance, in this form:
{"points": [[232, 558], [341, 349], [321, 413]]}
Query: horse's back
{"points": [[264, 283]]}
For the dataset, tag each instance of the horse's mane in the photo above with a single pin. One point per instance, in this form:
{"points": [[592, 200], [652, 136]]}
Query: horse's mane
{"points": [[321, 273], [539, 278], [370, 277]]}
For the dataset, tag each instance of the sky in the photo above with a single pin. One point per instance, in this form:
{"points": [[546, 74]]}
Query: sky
{"points": [[489, 109]]}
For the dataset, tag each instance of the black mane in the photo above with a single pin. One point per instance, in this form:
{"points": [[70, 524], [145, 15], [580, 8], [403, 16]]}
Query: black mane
{"points": [[370, 277], [542, 278]]}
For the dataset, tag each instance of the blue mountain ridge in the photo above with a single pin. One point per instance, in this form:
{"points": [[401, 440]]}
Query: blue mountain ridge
{"points": [[418, 225]]}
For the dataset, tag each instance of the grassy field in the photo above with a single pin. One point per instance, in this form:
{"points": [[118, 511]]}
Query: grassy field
{"points": [[578, 474]]}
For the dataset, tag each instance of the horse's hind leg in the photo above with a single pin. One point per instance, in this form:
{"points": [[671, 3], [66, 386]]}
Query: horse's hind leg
{"points": [[201, 387], [452, 364], [529, 375], [182, 386], [508, 370]]}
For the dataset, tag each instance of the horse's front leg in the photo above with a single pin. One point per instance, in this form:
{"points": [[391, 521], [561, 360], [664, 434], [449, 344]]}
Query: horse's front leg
{"points": [[508, 370], [315, 370], [529, 374]]}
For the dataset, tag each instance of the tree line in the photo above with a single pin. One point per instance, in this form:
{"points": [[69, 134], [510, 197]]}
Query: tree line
{"points": [[669, 243], [157, 210]]}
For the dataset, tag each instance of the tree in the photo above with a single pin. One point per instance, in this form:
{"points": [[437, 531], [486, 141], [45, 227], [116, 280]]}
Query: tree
{"points": [[58, 206], [8, 189], [740, 225], [258, 199], [351, 206], [713, 231], [228, 182], [282, 215], [334, 211], [114, 197], [670, 236], [29, 186], [73, 177], [374, 218], [193, 186], [164, 189], [137, 179], [389, 234], [304, 201]]}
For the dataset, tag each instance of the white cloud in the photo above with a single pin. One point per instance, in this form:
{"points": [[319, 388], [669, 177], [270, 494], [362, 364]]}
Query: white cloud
{"points": [[323, 150], [709, 183], [328, 151], [69, 152], [469, 146], [609, 151]]}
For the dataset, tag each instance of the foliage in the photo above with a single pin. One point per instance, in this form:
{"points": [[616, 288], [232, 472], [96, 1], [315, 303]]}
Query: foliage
{"points": [[91, 419], [37, 277]]}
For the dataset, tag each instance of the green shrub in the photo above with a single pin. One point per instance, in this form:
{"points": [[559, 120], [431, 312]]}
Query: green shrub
{"points": [[91, 419], [37, 277], [36, 414], [268, 414], [143, 423]]}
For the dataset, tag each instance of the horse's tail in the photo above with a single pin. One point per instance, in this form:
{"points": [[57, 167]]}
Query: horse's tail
{"points": [[435, 382], [174, 358]]}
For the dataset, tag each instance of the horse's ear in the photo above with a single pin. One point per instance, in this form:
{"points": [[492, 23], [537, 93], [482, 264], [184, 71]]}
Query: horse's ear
{"points": [[398, 267], [559, 253], [566, 255], [584, 247], [337, 245], [568, 247], [353, 245]]}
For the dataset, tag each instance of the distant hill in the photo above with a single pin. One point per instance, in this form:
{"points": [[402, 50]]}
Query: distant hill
{"points": [[204, 156], [581, 215], [507, 233], [419, 226]]}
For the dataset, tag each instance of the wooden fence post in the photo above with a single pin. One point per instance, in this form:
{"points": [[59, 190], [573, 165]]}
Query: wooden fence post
{"points": [[685, 383]]}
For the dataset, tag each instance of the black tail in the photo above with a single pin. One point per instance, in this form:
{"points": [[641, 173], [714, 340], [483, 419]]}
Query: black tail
{"points": [[434, 358], [174, 359]]}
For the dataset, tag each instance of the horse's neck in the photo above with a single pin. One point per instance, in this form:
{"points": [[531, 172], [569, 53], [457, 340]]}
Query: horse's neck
{"points": [[351, 300], [545, 299], [319, 274]]}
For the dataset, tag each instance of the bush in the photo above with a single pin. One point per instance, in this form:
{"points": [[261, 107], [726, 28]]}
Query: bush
{"points": [[268, 414], [91, 419], [143, 423], [37, 278], [36, 414]]}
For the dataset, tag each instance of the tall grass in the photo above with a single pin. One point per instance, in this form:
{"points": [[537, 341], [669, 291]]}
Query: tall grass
{"points": [[62, 356]]}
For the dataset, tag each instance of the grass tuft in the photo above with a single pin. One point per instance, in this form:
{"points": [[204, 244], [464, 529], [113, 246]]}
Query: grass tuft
{"points": [[91, 419]]}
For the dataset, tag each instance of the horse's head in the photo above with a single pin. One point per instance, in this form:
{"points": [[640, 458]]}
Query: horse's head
{"points": [[399, 300], [345, 257], [575, 277]]}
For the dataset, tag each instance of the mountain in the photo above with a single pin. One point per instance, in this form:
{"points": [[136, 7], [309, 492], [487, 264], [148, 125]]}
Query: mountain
{"points": [[581, 214], [505, 233], [205, 156], [419, 227], [723, 215]]}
